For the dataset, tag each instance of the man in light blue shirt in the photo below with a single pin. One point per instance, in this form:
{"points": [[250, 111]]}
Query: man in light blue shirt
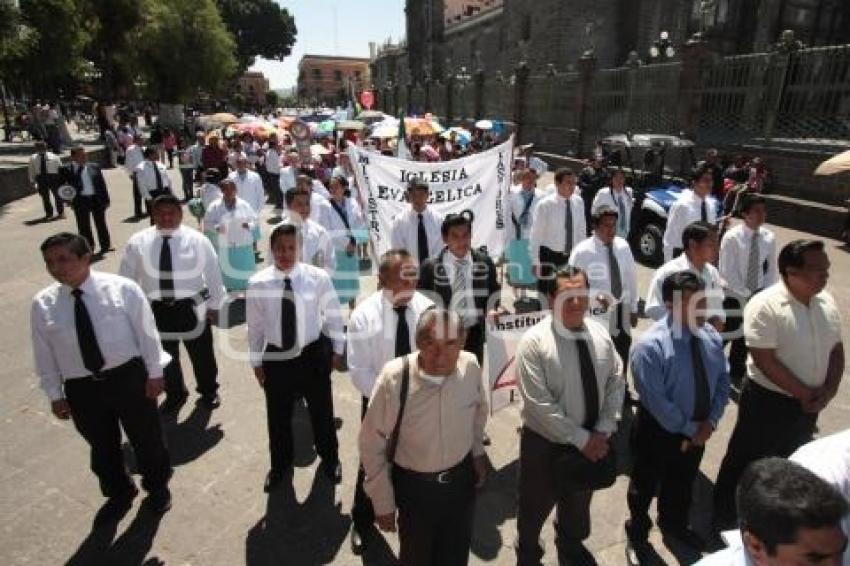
{"points": [[682, 377]]}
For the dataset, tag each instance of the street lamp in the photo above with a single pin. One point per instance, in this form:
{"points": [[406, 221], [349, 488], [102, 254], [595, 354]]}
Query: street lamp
{"points": [[662, 47]]}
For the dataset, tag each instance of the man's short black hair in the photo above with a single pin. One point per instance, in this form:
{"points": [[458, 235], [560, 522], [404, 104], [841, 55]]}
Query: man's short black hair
{"points": [[150, 152], [166, 200], [776, 498], [452, 220], [615, 171], [697, 232], [389, 257], [78, 245], [417, 184], [212, 175], [794, 254], [563, 172], [749, 200], [680, 282], [282, 230], [568, 272], [290, 195], [700, 170], [342, 180], [600, 213]]}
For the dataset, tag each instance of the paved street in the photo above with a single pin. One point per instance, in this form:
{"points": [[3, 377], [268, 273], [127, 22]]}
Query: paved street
{"points": [[221, 515]]}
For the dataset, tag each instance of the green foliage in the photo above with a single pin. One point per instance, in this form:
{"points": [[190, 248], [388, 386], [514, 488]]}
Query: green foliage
{"points": [[271, 98], [261, 28], [183, 47], [113, 27]]}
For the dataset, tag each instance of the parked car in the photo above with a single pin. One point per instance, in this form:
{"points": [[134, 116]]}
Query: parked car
{"points": [[660, 167]]}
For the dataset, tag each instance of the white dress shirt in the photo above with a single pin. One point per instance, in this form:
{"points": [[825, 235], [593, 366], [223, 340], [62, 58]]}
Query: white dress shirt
{"points": [[735, 258], [371, 336], [592, 256], [228, 223], [317, 309], [54, 163], [686, 209], [516, 204], [85, 176], [197, 152], [123, 324], [607, 196], [288, 176], [193, 260], [272, 161], [336, 227], [320, 189], [714, 284], [133, 156], [404, 232], [146, 177], [549, 226], [317, 247], [249, 187], [210, 192]]}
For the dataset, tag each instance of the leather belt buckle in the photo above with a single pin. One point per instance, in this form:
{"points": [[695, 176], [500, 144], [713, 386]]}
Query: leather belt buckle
{"points": [[443, 477]]}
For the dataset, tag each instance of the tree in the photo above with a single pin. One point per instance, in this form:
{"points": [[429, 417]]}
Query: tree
{"points": [[271, 99], [261, 28], [183, 47]]}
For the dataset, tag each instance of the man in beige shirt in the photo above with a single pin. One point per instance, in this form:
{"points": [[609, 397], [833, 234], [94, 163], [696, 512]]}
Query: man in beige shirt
{"points": [[439, 458], [572, 387], [796, 358]]}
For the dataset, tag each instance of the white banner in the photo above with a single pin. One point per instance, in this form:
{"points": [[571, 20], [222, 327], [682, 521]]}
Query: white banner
{"points": [[478, 184], [500, 365]]}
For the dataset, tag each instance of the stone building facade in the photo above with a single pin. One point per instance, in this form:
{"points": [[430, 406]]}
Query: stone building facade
{"points": [[328, 79], [253, 86]]}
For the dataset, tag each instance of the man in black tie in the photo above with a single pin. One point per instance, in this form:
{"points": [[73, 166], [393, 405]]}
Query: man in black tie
{"points": [[92, 198], [380, 329], [44, 168], [152, 178], [571, 382], [463, 280], [417, 229], [680, 372], [99, 360]]}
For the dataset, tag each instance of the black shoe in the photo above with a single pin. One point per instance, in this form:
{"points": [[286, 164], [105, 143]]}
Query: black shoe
{"points": [[273, 479], [577, 555], [333, 471], [172, 404], [638, 553], [358, 542], [210, 402], [159, 501], [115, 508], [486, 440], [685, 535]]}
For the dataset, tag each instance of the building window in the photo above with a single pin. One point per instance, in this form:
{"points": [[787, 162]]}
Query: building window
{"points": [[338, 76], [357, 75], [317, 73]]}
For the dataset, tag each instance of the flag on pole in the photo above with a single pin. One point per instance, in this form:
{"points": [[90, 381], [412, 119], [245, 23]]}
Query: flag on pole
{"points": [[401, 149]]}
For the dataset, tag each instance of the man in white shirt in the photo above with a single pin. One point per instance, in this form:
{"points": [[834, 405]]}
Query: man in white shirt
{"points": [[43, 173], [271, 164], [231, 224], [295, 338], [747, 265], [521, 209], [700, 241], [692, 205], [133, 156], [249, 185], [794, 368], [559, 225], [788, 516], [99, 360], [570, 380], [317, 247], [289, 172], [608, 261], [152, 178], [380, 329], [178, 270], [619, 197], [417, 229]]}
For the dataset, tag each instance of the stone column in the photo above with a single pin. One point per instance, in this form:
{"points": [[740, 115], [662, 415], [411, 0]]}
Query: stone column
{"points": [[587, 70]]}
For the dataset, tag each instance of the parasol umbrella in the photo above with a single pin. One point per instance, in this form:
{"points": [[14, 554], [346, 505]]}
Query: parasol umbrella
{"points": [[224, 118], [319, 149], [463, 136], [384, 131], [835, 164], [326, 127], [484, 124], [350, 125], [422, 126]]}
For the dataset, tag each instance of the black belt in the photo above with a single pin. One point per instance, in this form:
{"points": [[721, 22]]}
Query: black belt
{"points": [[444, 477], [106, 374], [195, 300]]}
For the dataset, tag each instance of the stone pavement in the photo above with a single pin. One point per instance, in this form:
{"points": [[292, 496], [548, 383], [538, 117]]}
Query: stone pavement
{"points": [[221, 515]]}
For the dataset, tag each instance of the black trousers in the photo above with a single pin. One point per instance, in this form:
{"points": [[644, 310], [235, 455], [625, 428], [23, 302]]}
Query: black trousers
{"points": [[738, 347], [660, 467], [435, 519], [538, 495], [47, 186], [179, 320], [137, 196], [307, 376], [100, 409], [362, 512], [272, 184], [550, 262], [622, 336], [769, 424], [87, 209], [475, 341], [186, 176]]}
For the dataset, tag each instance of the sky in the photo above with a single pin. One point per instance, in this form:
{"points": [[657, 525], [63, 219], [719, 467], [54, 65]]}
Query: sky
{"points": [[357, 23]]}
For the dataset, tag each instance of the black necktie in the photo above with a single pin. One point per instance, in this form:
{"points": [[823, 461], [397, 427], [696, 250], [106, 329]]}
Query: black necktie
{"points": [[158, 179], [89, 348], [43, 171], [568, 228], [588, 383], [701, 391], [422, 240], [614, 270], [287, 317], [166, 270], [402, 332], [703, 211]]}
